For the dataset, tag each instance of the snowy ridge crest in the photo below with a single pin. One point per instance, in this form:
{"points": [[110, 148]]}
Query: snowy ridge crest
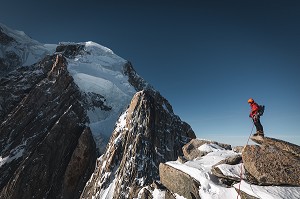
{"points": [[99, 74], [21, 50]]}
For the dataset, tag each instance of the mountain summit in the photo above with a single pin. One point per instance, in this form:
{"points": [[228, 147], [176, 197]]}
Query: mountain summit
{"points": [[59, 105], [77, 121]]}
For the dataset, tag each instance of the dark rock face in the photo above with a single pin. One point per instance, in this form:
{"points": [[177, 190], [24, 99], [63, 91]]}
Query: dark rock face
{"points": [[69, 50], [134, 79], [48, 150], [151, 134], [179, 182], [17, 85], [274, 162], [9, 59], [93, 100], [4, 38], [80, 166]]}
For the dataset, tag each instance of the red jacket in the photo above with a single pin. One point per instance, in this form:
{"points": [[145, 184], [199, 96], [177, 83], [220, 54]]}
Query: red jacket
{"points": [[254, 109]]}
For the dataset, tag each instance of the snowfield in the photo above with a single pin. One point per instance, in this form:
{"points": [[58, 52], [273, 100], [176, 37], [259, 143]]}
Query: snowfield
{"points": [[100, 71], [29, 50]]}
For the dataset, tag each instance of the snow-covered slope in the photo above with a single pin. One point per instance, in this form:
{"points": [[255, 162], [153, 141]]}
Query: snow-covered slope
{"points": [[30, 51], [99, 71]]}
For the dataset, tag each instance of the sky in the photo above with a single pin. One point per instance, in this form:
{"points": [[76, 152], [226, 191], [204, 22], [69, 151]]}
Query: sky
{"points": [[205, 57]]}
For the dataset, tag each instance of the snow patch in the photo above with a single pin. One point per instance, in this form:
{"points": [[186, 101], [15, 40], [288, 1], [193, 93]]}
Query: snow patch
{"points": [[210, 147], [158, 194], [108, 192], [232, 170], [270, 192], [179, 196], [14, 154], [120, 125], [30, 51]]}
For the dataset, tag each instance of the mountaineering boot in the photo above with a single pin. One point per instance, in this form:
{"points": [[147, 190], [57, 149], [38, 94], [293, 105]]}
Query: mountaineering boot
{"points": [[259, 133], [256, 134]]}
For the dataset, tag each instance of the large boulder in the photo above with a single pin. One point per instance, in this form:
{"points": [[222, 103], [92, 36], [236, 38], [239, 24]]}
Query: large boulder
{"points": [[275, 162], [280, 144], [179, 182]]}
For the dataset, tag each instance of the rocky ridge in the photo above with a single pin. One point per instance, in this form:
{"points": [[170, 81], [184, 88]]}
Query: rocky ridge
{"points": [[47, 147], [47, 151], [147, 134]]}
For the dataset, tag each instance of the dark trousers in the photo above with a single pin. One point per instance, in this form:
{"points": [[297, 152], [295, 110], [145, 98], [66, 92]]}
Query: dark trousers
{"points": [[258, 125]]}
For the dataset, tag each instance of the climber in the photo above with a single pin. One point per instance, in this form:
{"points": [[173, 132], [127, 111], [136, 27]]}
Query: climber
{"points": [[255, 115]]}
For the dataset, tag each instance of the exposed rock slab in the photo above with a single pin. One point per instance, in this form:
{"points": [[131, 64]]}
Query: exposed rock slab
{"points": [[238, 149], [280, 144], [270, 165], [179, 182]]}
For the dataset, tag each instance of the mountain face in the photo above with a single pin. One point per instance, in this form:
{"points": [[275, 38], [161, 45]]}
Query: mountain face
{"points": [[47, 151], [59, 106], [17, 49], [107, 83], [147, 134]]}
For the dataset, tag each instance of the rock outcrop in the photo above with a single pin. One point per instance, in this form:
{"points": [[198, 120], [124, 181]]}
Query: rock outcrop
{"points": [[274, 162], [185, 185], [147, 134], [47, 151], [280, 144], [191, 150], [225, 179]]}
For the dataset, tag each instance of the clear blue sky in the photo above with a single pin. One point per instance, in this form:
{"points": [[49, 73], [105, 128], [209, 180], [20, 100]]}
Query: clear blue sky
{"points": [[206, 57]]}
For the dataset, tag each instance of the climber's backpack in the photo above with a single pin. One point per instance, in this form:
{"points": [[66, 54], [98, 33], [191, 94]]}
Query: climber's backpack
{"points": [[261, 110]]}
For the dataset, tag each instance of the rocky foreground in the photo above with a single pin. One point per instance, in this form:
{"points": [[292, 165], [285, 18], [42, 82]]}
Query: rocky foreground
{"points": [[58, 108], [211, 170]]}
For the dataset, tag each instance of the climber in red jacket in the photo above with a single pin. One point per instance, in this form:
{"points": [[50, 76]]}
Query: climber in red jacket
{"points": [[254, 114]]}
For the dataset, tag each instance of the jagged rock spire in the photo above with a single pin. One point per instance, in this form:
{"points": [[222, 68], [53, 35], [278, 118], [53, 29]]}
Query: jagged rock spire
{"points": [[150, 134]]}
